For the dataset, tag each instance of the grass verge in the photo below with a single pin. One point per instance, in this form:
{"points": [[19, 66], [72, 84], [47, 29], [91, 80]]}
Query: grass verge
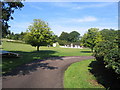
{"points": [[78, 76]]}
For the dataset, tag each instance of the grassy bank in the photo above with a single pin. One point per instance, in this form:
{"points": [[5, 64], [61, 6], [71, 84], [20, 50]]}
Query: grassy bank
{"points": [[78, 76]]}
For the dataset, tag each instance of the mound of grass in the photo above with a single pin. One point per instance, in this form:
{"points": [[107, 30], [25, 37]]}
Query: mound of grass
{"points": [[78, 76], [29, 53]]}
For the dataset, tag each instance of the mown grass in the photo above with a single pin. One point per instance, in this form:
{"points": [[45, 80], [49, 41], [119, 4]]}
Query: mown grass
{"points": [[29, 53], [78, 76]]}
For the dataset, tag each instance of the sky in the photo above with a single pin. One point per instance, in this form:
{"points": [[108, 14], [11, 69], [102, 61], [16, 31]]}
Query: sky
{"points": [[67, 16]]}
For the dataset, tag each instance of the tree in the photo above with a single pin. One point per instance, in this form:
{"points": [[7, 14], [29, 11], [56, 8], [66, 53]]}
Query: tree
{"points": [[68, 38], [64, 36], [39, 34], [91, 38], [63, 42], [74, 36], [8, 9], [108, 52], [109, 34]]}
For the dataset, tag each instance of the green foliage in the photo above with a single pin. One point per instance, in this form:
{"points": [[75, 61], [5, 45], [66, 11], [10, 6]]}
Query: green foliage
{"points": [[39, 34], [112, 60], [108, 51], [91, 38], [16, 36], [77, 43], [74, 36], [102, 48], [64, 36], [68, 38], [8, 9], [63, 42], [109, 34]]}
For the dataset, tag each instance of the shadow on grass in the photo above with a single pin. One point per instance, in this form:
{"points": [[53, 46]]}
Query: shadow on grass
{"points": [[86, 51], [28, 62], [104, 76]]}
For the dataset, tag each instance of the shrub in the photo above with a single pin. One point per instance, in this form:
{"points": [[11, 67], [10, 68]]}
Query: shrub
{"points": [[102, 48], [109, 53], [112, 60]]}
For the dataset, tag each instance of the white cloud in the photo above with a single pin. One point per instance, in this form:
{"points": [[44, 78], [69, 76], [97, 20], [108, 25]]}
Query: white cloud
{"points": [[78, 6], [20, 24], [58, 29], [92, 6], [85, 19], [63, 4], [17, 27], [100, 28], [35, 6]]}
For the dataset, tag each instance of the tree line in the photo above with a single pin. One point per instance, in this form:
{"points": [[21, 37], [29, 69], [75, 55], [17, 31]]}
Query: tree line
{"points": [[68, 38], [40, 34]]}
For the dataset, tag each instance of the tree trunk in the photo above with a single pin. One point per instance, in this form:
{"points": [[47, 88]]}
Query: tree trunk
{"points": [[38, 48], [92, 50]]}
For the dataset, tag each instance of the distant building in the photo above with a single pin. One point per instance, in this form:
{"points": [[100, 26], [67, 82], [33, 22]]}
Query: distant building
{"points": [[54, 44]]}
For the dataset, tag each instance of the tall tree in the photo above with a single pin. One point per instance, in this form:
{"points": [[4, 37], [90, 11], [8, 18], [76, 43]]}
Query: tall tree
{"points": [[39, 34], [74, 36], [109, 34], [108, 51], [91, 38], [8, 9], [64, 36]]}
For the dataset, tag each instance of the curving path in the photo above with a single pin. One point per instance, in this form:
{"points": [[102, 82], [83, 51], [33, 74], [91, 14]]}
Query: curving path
{"points": [[40, 73]]}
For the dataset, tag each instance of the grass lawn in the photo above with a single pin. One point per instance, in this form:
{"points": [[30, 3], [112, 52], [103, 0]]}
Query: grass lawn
{"points": [[29, 53], [79, 76]]}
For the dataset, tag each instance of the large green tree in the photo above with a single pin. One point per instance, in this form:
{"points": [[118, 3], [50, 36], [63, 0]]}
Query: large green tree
{"points": [[109, 34], [39, 34], [74, 36], [108, 51], [8, 9], [64, 36], [68, 38], [91, 38]]}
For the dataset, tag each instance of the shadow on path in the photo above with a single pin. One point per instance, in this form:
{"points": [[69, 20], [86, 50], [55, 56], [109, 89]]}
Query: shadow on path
{"points": [[35, 58]]}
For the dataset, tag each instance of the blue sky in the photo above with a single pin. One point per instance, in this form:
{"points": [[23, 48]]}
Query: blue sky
{"points": [[67, 16]]}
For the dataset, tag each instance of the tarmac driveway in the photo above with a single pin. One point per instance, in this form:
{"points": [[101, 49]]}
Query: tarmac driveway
{"points": [[41, 73]]}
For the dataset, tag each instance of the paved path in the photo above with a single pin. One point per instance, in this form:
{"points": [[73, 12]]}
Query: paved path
{"points": [[40, 73]]}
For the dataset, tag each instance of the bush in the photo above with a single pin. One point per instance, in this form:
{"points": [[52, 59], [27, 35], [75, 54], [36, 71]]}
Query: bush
{"points": [[109, 53], [112, 60], [102, 48], [63, 42]]}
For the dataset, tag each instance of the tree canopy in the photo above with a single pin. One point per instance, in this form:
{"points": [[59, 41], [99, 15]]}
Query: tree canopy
{"points": [[64, 36], [39, 34], [74, 36], [109, 34], [91, 38], [8, 9], [68, 38]]}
